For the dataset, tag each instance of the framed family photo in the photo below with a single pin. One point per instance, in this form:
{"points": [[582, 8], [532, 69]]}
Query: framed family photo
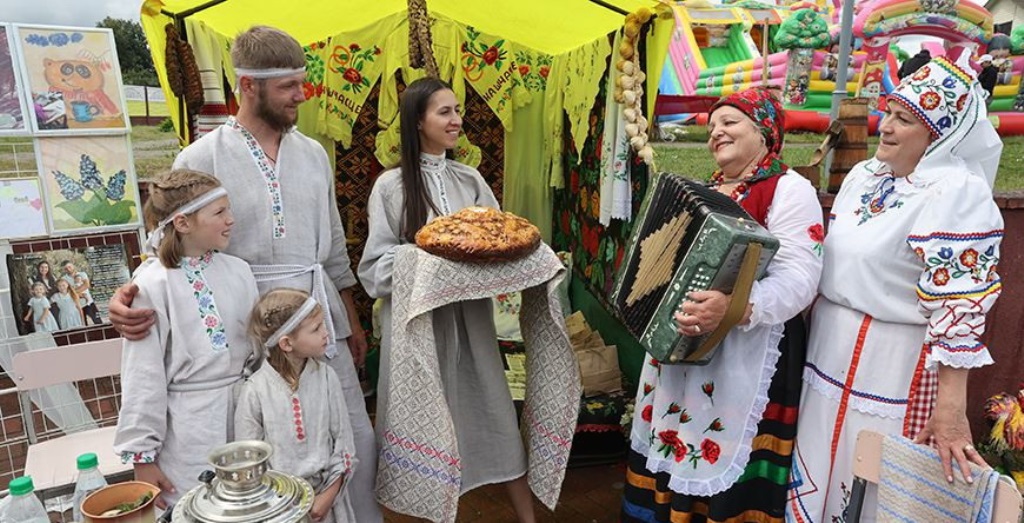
{"points": [[73, 79], [12, 104], [65, 289], [88, 183]]}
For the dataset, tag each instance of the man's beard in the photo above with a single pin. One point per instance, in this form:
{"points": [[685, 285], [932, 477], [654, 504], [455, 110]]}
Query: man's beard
{"points": [[275, 118]]}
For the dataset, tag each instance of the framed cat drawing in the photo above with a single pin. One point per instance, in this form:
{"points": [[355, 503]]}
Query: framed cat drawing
{"points": [[73, 79]]}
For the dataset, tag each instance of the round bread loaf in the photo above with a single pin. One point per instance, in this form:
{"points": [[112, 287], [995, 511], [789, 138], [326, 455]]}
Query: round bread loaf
{"points": [[479, 234]]}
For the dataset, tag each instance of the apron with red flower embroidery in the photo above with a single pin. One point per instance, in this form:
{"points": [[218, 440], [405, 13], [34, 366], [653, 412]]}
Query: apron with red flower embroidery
{"points": [[697, 422]]}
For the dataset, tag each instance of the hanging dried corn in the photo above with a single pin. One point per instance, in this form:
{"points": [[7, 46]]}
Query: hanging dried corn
{"points": [[182, 70], [174, 76], [421, 49]]}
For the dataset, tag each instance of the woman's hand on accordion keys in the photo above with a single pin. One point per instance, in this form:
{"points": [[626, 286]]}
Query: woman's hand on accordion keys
{"points": [[702, 311]]}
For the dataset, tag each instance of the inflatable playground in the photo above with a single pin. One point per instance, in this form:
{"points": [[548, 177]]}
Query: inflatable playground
{"points": [[718, 49]]}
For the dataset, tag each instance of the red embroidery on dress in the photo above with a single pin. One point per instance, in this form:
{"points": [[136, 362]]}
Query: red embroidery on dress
{"points": [[300, 431]]}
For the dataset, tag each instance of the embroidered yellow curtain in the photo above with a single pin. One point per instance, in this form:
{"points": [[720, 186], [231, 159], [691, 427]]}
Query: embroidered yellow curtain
{"points": [[549, 26]]}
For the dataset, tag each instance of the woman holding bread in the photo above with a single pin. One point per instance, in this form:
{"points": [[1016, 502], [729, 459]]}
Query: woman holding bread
{"points": [[426, 185]]}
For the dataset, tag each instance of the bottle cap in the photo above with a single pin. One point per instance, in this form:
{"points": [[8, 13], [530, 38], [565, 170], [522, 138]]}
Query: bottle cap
{"points": [[88, 461], [21, 486]]}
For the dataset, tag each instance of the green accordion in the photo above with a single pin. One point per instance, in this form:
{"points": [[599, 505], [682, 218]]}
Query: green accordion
{"points": [[687, 238]]}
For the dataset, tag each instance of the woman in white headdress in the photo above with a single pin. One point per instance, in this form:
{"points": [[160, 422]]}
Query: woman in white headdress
{"points": [[909, 274]]}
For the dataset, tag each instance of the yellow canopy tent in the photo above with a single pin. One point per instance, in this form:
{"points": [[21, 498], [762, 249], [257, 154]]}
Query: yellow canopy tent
{"points": [[572, 36], [549, 26]]}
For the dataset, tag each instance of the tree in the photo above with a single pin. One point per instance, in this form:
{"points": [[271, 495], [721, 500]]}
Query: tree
{"points": [[1017, 40], [132, 51], [901, 54], [804, 29]]}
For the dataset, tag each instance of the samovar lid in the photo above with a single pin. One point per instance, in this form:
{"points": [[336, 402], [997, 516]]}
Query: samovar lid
{"points": [[243, 489]]}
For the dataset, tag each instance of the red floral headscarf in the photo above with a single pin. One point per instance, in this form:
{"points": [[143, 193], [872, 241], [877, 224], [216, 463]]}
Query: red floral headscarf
{"points": [[764, 109]]}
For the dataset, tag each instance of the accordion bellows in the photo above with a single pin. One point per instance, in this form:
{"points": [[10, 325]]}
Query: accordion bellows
{"points": [[479, 234], [687, 237]]}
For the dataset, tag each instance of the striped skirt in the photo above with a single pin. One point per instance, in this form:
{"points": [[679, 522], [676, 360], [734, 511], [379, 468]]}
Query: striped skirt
{"points": [[759, 495]]}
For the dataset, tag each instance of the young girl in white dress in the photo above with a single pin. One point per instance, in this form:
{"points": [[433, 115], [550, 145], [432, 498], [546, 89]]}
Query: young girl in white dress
{"points": [[296, 404], [39, 312], [70, 315], [179, 383]]}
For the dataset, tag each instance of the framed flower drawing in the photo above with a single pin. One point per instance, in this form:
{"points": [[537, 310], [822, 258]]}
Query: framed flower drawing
{"points": [[88, 183], [73, 79]]}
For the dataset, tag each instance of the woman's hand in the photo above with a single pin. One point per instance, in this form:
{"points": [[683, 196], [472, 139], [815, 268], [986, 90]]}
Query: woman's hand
{"points": [[133, 324], [948, 425], [952, 436], [701, 312], [151, 473]]}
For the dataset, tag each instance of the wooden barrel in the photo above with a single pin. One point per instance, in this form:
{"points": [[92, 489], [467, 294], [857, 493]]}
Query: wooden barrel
{"points": [[853, 143]]}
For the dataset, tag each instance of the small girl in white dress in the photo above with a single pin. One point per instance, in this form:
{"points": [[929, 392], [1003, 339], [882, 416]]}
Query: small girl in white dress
{"points": [[179, 384], [70, 310], [296, 403], [39, 311]]}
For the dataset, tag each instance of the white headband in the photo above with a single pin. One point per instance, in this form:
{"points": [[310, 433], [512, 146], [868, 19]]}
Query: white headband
{"points": [[293, 322], [275, 72], [157, 234]]}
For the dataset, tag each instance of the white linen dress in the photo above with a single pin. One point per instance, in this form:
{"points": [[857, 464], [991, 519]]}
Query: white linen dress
{"points": [[179, 383], [308, 429], [471, 367], [910, 271]]}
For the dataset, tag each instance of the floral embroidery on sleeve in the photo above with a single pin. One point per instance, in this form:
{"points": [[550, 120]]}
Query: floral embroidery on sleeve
{"points": [[148, 456], [958, 286], [943, 267], [212, 322], [817, 234]]}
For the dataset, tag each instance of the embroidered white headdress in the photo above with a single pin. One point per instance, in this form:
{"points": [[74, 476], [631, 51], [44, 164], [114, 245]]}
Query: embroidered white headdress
{"points": [[947, 98]]}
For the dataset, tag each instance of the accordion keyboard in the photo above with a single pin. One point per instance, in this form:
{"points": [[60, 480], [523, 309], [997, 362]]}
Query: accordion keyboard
{"points": [[687, 238]]}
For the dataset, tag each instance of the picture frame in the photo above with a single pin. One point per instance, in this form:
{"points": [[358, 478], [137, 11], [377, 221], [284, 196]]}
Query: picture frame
{"points": [[13, 108], [99, 269], [72, 80], [21, 205], [89, 183]]}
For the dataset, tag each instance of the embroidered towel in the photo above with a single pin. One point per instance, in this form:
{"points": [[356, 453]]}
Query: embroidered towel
{"points": [[912, 487], [419, 467], [616, 187]]}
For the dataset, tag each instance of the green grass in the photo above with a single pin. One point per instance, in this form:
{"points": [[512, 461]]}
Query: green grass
{"points": [[154, 152], [696, 162], [138, 108]]}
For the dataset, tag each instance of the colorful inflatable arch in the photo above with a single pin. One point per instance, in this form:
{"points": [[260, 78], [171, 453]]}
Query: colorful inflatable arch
{"points": [[960, 22]]}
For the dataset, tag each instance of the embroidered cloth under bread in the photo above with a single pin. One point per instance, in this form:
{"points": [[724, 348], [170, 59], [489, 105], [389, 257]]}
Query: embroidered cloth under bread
{"points": [[419, 467]]}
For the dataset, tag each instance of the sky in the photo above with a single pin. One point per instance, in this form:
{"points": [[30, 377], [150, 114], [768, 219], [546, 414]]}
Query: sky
{"points": [[77, 13]]}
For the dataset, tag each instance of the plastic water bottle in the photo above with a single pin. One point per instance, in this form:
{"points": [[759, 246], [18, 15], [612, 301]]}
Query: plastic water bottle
{"points": [[25, 507], [89, 480]]}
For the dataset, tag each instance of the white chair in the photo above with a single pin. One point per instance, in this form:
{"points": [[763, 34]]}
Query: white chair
{"points": [[867, 467], [52, 463]]}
